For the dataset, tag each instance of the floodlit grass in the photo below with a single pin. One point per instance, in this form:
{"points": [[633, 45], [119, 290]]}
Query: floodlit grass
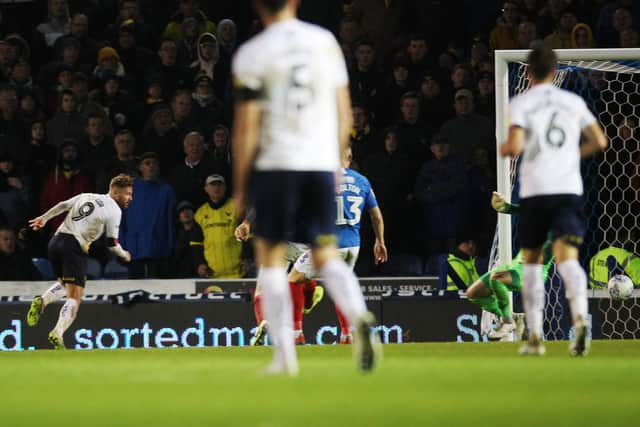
{"points": [[416, 385]]}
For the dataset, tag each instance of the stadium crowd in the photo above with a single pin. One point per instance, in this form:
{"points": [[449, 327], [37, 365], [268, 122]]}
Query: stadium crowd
{"points": [[90, 89]]}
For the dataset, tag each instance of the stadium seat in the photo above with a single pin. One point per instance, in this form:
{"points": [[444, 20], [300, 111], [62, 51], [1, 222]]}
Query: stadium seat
{"points": [[402, 265], [115, 270], [433, 264], [94, 269], [45, 268]]}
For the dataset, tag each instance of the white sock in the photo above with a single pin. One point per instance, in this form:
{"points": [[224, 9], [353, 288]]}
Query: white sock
{"points": [[54, 293], [278, 312], [344, 288], [67, 316], [533, 297], [575, 286]]}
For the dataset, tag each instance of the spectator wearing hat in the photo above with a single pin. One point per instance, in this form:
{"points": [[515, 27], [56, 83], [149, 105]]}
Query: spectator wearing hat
{"points": [[206, 108], [505, 34], [434, 103], [173, 75], [206, 63], [123, 161], [12, 131], [67, 122], [485, 101], [147, 228], [187, 260], [468, 128], [133, 56], [109, 66], [160, 135], [15, 264], [88, 46], [64, 181], [15, 194], [188, 177], [365, 81], [581, 36], [187, 9], [440, 190], [561, 37], [218, 219]]}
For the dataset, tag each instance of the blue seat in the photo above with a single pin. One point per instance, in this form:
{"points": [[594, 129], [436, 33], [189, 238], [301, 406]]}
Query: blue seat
{"points": [[45, 268], [433, 264], [114, 270]]}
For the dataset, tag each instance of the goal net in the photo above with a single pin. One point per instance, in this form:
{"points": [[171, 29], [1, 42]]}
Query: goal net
{"points": [[609, 82]]}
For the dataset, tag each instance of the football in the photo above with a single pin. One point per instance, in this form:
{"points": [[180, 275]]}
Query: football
{"points": [[620, 287]]}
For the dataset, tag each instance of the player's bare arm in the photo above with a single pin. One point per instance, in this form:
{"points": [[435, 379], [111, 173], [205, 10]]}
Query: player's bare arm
{"points": [[345, 117], [379, 247], [595, 140], [39, 222], [515, 142], [245, 146]]}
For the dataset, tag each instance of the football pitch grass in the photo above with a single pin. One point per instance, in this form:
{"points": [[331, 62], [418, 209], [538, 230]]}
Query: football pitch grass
{"points": [[416, 385]]}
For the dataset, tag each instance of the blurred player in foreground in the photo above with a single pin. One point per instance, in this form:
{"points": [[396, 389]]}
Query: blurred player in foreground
{"points": [[89, 215], [292, 121], [546, 127]]}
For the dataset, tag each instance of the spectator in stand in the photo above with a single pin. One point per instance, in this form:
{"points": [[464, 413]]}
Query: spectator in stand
{"points": [[218, 219], [187, 9], [129, 16], [621, 21], [121, 108], [109, 65], [485, 102], [30, 109], [382, 21], [21, 76], [134, 58], [64, 181], [154, 94], [365, 80], [183, 119], [228, 43], [413, 134], [461, 77], [440, 190], [187, 178], [188, 45], [46, 33], [147, 225], [479, 52], [88, 46], [207, 56], [12, 131], [505, 34], [629, 39], [348, 33], [173, 75], [549, 16], [37, 159], [207, 109], [389, 172], [561, 37], [124, 161], [433, 104], [396, 86], [67, 123], [15, 264], [19, 49], [468, 128], [63, 79], [581, 36], [187, 260], [420, 63], [161, 136], [15, 194], [220, 151], [95, 148], [362, 142], [527, 34]]}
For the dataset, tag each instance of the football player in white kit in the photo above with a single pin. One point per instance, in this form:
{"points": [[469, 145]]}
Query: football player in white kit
{"points": [[546, 127], [89, 215], [292, 119]]}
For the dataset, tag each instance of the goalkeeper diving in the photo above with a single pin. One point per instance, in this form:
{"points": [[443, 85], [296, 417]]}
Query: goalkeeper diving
{"points": [[491, 291]]}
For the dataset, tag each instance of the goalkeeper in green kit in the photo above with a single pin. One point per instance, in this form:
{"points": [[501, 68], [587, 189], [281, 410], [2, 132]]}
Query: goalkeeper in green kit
{"points": [[491, 291]]}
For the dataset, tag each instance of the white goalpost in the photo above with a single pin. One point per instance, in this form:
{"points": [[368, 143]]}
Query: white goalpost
{"points": [[609, 80]]}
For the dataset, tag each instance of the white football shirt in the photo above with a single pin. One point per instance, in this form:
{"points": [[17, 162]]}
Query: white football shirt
{"points": [[553, 119], [90, 216], [295, 68]]}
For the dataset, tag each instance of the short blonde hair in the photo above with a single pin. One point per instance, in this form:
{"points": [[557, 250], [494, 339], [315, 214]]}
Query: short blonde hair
{"points": [[121, 181]]}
